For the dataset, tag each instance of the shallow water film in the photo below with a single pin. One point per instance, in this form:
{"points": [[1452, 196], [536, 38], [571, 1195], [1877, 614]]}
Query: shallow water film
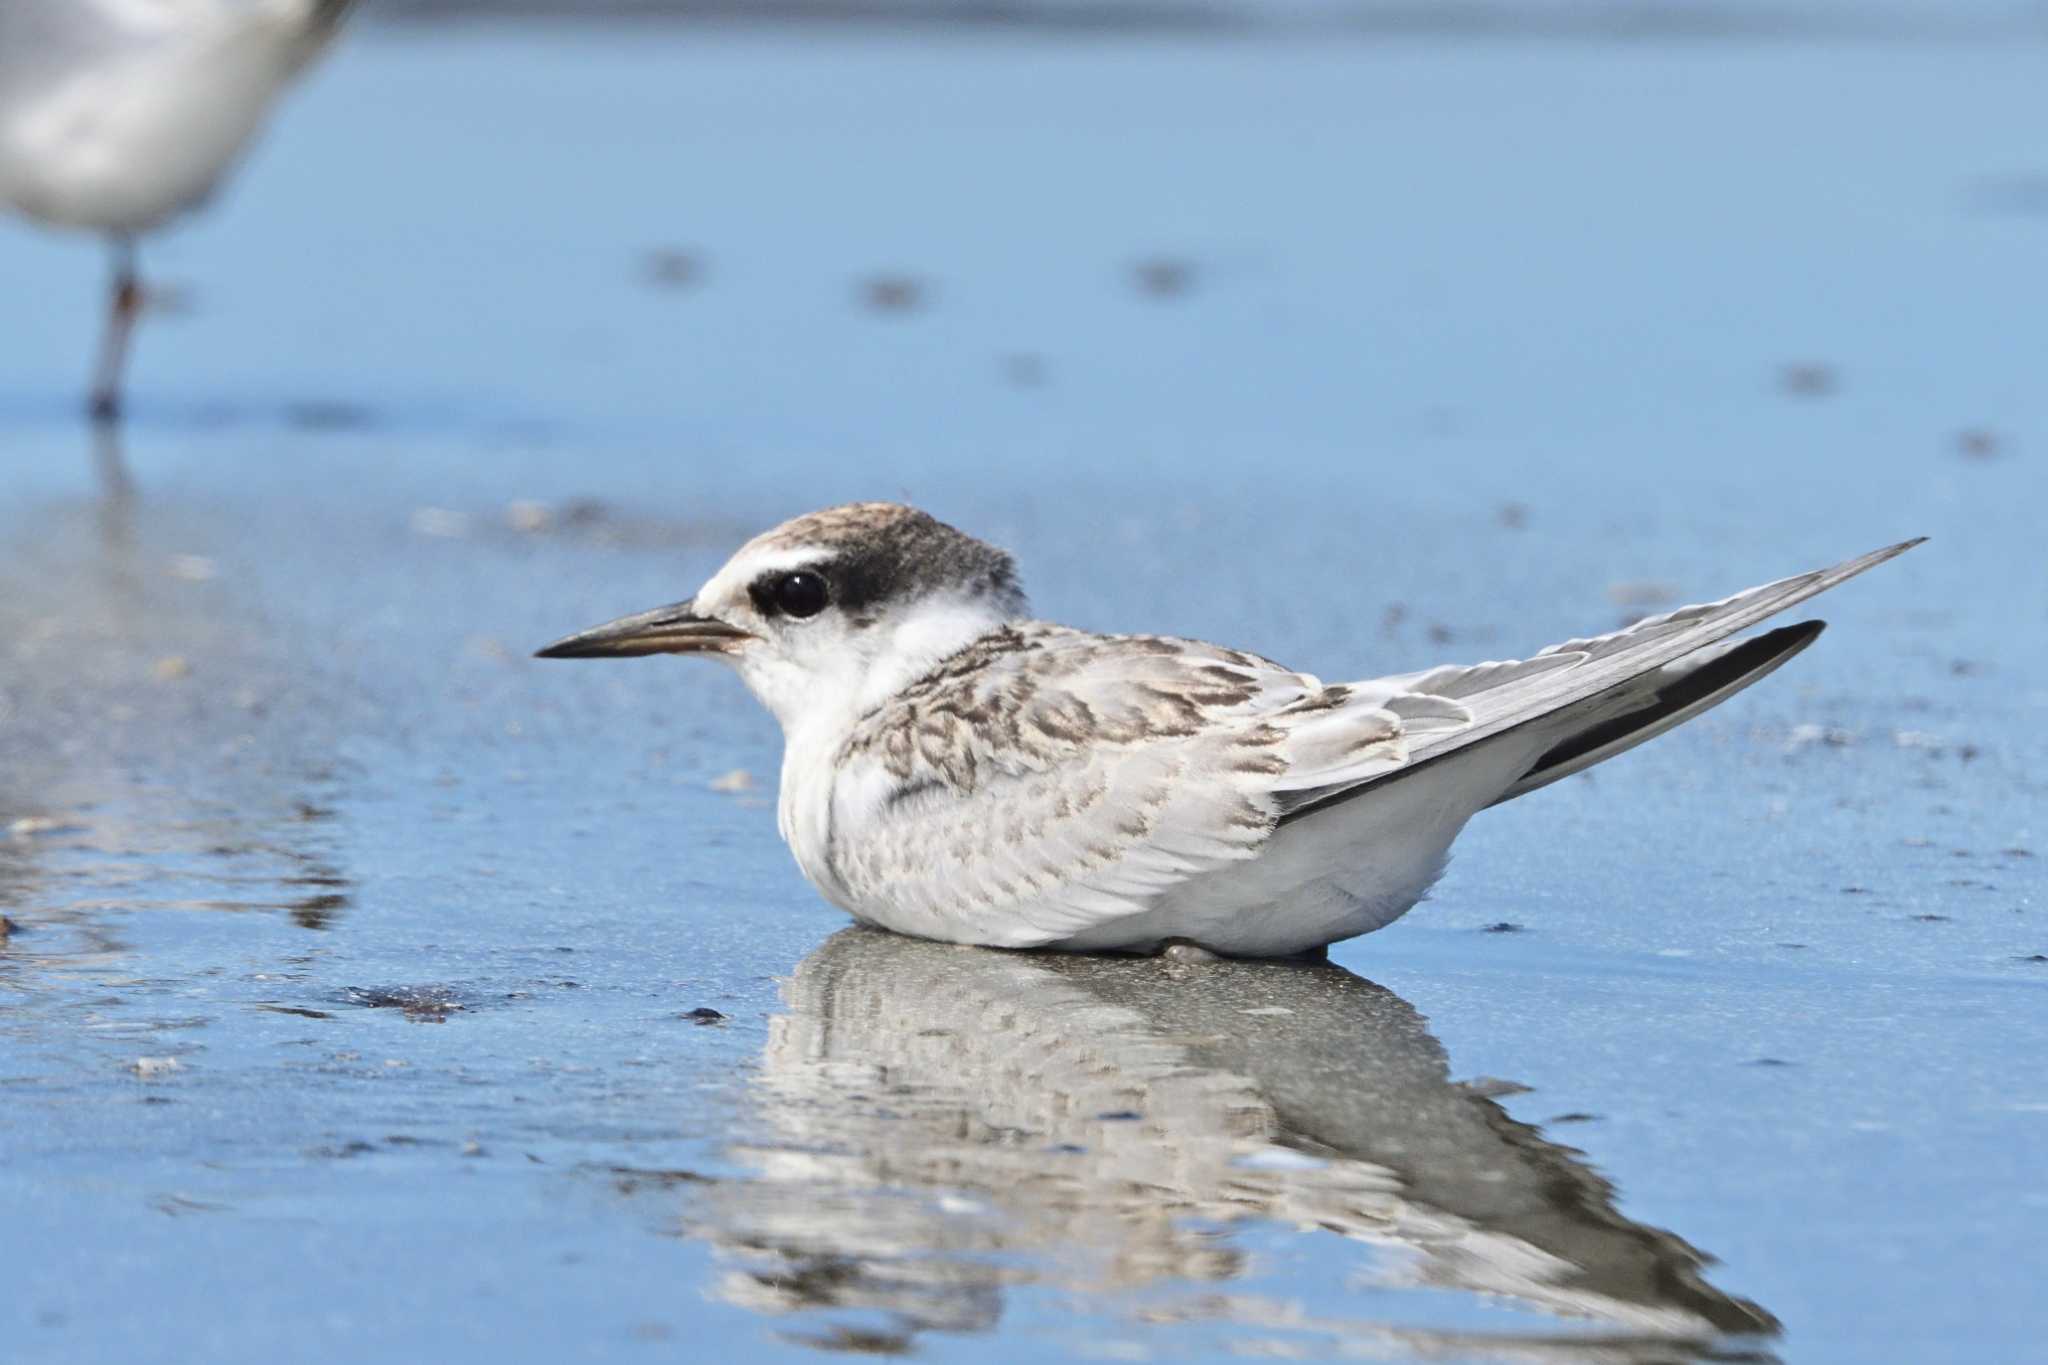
{"points": [[369, 989]]}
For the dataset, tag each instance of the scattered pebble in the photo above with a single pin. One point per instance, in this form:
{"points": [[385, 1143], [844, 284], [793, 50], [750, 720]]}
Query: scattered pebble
{"points": [[298, 1010], [738, 780], [1503, 927], [1440, 634], [1808, 379], [177, 1205], [1932, 919], [1767, 1061], [342, 1151], [1641, 593], [1163, 277], [527, 515], [193, 568], [1574, 1117], [844, 1340], [1024, 370], [327, 415], [155, 1068], [171, 668], [1120, 1116], [703, 1014], [1392, 617], [439, 521], [2033, 957], [673, 268], [2017, 852], [421, 1004], [892, 294], [1513, 515], [628, 1179], [1979, 443], [2024, 194], [1806, 736]]}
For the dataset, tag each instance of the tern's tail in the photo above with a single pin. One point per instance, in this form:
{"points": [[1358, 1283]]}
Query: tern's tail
{"points": [[1648, 706], [1524, 724]]}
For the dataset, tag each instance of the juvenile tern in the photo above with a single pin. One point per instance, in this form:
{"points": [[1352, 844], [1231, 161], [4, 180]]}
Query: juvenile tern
{"points": [[116, 116], [955, 770]]}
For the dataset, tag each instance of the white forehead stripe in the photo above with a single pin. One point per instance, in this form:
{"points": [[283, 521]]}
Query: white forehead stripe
{"points": [[730, 582]]}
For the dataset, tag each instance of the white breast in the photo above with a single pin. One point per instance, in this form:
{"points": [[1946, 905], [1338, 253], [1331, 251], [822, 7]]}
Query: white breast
{"points": [[807, 809]]}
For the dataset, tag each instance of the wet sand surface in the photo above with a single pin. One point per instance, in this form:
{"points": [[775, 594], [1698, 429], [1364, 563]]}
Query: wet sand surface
{"points": [[371, 988]]}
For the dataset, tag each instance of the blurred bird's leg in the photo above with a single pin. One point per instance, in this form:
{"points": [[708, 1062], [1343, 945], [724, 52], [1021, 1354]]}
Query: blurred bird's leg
{"points": [[124, 303]]}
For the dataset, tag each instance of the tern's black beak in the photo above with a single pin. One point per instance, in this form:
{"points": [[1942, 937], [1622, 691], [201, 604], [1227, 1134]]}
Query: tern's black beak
{"points": [[675, 629]]}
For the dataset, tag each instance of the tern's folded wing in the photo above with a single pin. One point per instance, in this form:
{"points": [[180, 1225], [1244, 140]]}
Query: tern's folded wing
{"points": [[1050, 780]]}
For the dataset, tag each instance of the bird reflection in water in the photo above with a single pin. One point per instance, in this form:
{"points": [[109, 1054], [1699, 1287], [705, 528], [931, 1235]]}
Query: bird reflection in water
{"points": [[160, 746], [937, 1125]]}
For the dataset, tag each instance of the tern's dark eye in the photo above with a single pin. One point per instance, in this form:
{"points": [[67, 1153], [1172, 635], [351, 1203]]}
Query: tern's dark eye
{"points": [[801, 593]]}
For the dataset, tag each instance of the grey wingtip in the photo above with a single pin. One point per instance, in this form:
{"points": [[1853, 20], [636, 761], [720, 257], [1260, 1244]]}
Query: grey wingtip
{"points": [[1873, 559]]}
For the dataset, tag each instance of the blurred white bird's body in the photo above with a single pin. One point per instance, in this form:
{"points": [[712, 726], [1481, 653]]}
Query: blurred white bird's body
{"points": [[116, 116]]}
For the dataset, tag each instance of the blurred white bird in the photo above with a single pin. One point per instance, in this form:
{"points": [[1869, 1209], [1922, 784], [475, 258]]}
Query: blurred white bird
{"points": [[955, 770], [118, 115]]}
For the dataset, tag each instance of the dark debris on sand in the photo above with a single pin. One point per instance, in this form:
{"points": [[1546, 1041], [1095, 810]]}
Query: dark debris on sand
{"points": [[421, 1004]]}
